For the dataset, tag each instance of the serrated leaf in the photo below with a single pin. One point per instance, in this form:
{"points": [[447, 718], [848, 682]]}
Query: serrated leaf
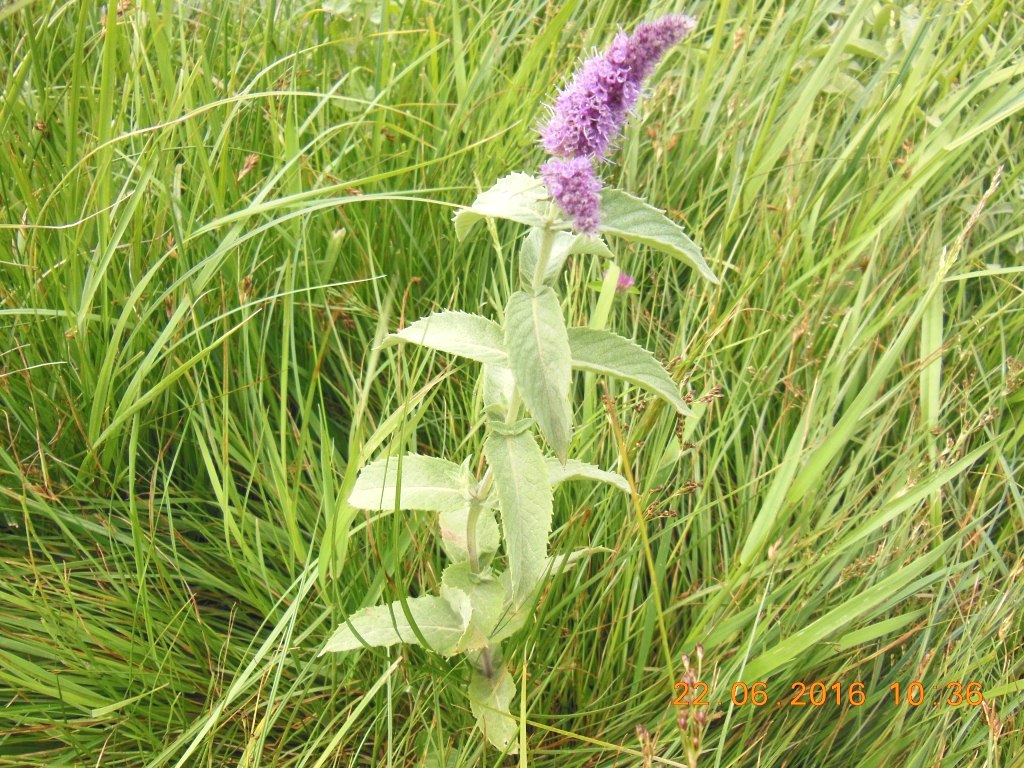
{"points": [[563, 245], [490, 699], [630, 218], [455, 333], [538, 354], [516, 197], [580, 470], [453, 533], [524, 502], [479, 599], [427, 483], [606, 353], [384, 625]]}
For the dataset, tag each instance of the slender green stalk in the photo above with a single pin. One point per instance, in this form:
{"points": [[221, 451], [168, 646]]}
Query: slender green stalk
{"points": [[544, 252]]}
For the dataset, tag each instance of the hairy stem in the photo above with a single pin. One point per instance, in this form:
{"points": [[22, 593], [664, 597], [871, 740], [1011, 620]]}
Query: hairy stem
{"points": [[546, 241]]}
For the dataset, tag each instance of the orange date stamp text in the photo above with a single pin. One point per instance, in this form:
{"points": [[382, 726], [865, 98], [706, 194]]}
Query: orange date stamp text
{"points": [[821, 694]]}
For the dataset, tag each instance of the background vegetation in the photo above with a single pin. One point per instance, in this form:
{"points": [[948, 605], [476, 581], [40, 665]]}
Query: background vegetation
{"points": [[209, 211]]}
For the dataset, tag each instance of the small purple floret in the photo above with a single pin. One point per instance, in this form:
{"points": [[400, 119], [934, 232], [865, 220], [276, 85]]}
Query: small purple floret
{"points": [[576, 188], [591, 110], [624, 282]]}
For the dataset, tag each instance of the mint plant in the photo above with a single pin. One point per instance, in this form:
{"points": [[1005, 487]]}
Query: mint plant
{"points": [[527, 362]]}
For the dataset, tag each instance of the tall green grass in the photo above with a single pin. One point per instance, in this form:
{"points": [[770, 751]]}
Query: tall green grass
{"points": [[210, 210]]}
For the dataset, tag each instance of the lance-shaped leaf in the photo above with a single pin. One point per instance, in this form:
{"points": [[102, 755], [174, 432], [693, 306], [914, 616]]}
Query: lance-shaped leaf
{"points": [[383, 625], [524, 501], [634, 220], [563, 245], [455, 333], [538, 354], [426, 483], [609, 354], [490, 698], [453, 533], [516, 197], [580, 470], [480, 599]]}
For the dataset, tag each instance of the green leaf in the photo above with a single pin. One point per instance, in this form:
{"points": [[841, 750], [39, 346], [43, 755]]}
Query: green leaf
{"points": [[453, 533], [773, 501], [609, 354], [878, 630], [524, 501], [865, 602], [383, 625], [490, 698], [455, 333], [580, 470], [634, 220], [499, 385], [426, 483], [479, 599], [563, 245], [516, 197], [538, 354], [512, 620]]}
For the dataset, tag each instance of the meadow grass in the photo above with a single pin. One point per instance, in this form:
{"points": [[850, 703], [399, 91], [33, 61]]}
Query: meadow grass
{"points": [[209, 211]]}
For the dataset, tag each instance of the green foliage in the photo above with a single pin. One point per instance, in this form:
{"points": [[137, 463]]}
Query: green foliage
{"points": [[490, 700], [630, 218], [456, 333], [482, 601], [562, 246], [441, 626], [454, 538], [603, 352], [532, 367], [574, 469], [524, 499], [411, 482], [517, 197], [538, 356], [212, 213]]}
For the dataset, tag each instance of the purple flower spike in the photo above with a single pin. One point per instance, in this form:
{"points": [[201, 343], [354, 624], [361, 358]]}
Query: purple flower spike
{"points": [[575, 187], [591, 110]]}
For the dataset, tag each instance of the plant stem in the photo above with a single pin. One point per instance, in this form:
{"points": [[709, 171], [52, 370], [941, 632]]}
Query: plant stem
{"points": [[489, 658], [546, 241]]}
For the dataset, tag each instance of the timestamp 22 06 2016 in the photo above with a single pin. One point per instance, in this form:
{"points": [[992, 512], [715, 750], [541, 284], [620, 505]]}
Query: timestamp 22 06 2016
{"points": [[820, 694]]}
